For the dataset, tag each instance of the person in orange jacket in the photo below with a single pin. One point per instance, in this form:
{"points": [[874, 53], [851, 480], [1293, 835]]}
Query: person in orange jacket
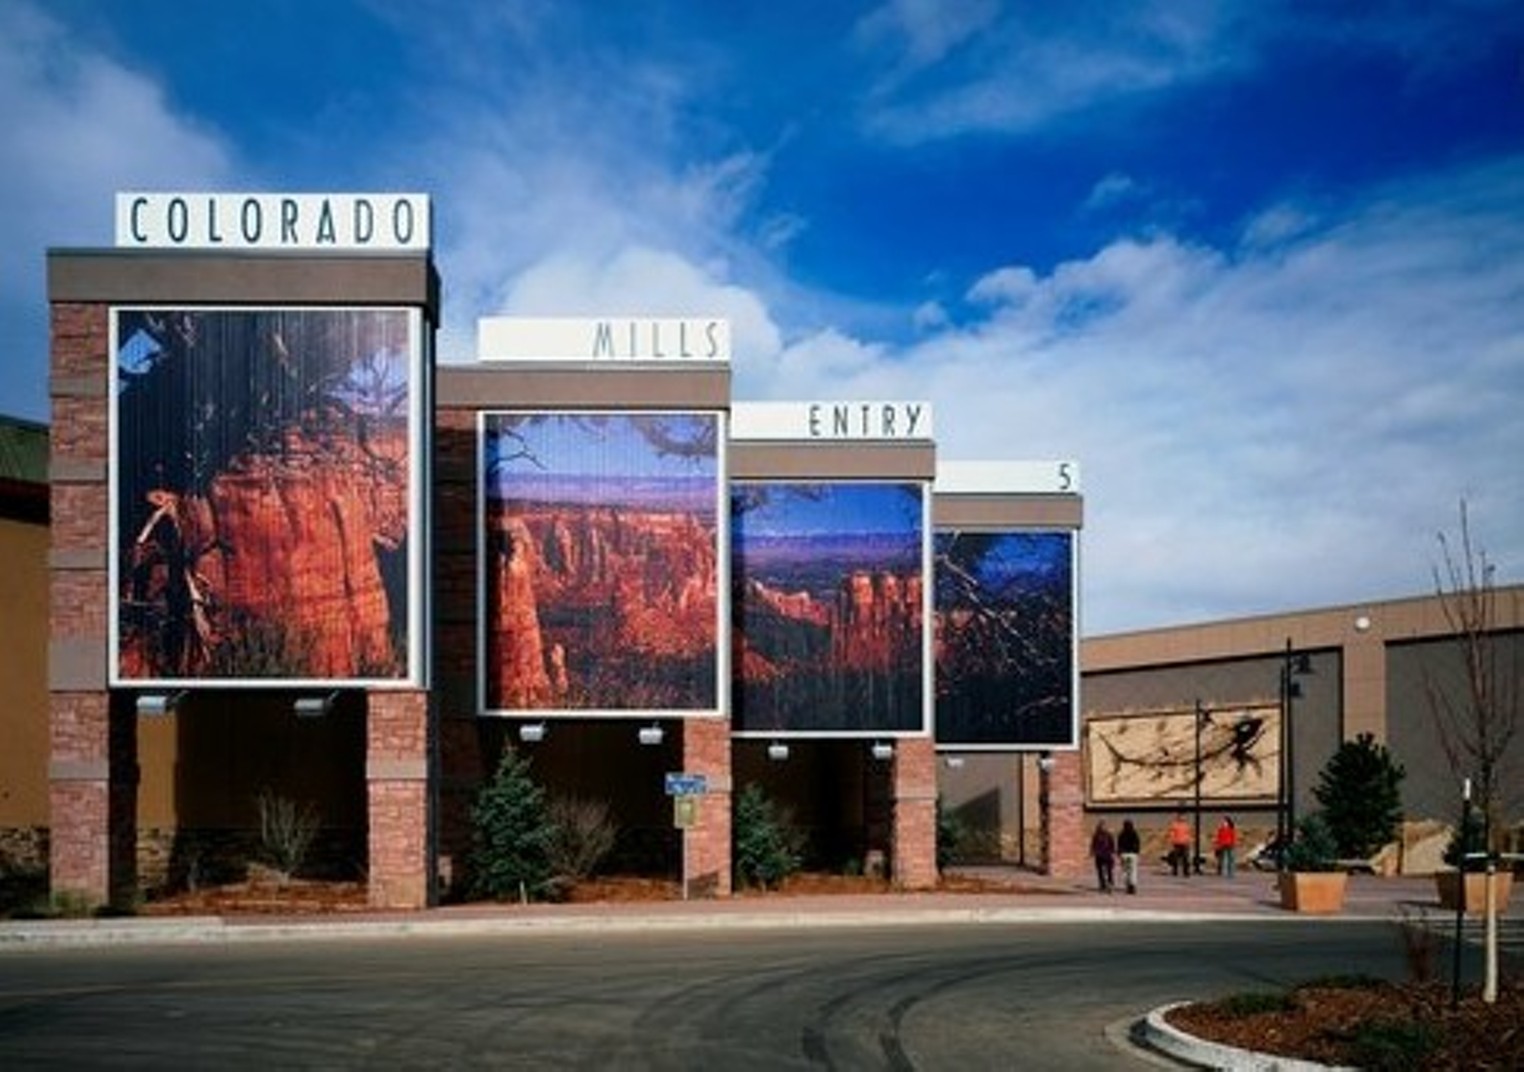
{"points": [[1179, 845]]}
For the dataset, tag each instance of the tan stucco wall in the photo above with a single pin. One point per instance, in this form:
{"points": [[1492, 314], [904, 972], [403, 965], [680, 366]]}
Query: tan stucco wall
{"points": [[23, 673]]}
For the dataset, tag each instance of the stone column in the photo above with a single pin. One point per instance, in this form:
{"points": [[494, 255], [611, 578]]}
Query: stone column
{"points": [[92, 769], [1066, 848], [914, 850], [706, 751], [398, 748]]}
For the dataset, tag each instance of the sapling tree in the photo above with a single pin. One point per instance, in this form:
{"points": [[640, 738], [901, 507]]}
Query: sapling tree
{"points": [[1477, 724]]}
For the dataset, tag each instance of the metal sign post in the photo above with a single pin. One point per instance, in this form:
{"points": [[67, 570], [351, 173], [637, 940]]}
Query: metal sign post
{"points": [[685, 789]]}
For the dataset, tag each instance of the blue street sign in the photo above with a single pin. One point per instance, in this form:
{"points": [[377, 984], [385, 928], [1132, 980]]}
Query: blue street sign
{"points": [[686, 785]]}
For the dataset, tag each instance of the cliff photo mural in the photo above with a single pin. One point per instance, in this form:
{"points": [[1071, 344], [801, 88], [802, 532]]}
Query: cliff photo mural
{"points": [[828, 607], [1005, 639], [263, 478], [600, 552]]}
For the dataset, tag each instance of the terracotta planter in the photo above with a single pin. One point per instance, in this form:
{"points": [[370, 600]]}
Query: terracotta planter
{"points": [[1313, 891], [1448, 885]]}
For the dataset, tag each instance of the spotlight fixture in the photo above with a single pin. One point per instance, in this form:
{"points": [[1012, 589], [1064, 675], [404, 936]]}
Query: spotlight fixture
{"points": [[1045, 762], [651, 735], [954, 762], [532, 732], [314, 706], [159, 703], [777, 751], [882, 750]]}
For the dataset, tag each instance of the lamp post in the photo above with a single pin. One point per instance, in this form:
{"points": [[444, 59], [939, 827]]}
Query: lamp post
{"points": [[1202, 714], [1293, 665]]}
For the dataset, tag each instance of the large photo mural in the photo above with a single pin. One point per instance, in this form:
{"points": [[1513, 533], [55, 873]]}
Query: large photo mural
{"points": [[1005, 639], [1152, 758], [265, 495], [600, 552], [828, 607]]}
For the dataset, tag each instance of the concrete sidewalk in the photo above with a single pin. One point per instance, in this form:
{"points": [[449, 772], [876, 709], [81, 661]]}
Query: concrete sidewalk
{"points": [[1012, 896]]}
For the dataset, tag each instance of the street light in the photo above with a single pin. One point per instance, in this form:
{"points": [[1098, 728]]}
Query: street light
{"points": [[1293, 666], [1202, 715]]}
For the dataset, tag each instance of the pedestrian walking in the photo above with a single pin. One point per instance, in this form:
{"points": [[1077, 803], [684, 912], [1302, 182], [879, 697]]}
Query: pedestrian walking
{"points": [[1103, 847], [1129, 848], [1225, 844]]}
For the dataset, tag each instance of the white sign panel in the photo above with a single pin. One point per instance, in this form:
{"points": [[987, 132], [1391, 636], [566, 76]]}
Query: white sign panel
{"points": [[326, 222], [831, 421], [1061, 477], [664, 340]]}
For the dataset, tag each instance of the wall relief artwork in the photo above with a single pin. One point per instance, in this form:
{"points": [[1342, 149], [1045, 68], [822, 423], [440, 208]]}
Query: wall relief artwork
{"points": [[1150, 758]]}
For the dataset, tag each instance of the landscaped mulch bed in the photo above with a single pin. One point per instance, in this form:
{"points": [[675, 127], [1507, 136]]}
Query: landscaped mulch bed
{"points": [[1373, 1025]]}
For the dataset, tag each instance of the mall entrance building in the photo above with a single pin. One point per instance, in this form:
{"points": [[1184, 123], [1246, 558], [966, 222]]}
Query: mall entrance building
{"points": [[295, 561]]}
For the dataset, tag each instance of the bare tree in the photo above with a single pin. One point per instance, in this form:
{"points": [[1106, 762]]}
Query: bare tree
{"points": [[1477, 724]]}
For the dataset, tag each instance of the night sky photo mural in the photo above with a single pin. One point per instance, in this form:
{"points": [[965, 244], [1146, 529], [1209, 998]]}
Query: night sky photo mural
{"points": [[1005, 639]]}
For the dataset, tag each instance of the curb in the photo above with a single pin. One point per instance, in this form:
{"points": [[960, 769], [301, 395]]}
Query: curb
{"points": [[192, 930], [1153, 1031]]}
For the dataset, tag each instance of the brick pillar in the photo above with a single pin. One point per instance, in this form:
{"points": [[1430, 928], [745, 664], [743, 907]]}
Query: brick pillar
{"points": [[397, 782], [92, 768], [706, 751], [92, 798], [1066, 849], [914, 851]]}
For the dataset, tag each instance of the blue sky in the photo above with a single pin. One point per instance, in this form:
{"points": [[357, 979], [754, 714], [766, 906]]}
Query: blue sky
{"points": [[604, 460], [835, 509], [1258, 266]]}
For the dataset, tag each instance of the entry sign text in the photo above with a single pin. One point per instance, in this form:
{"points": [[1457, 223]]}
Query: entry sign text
{"points": [[686, 785]]}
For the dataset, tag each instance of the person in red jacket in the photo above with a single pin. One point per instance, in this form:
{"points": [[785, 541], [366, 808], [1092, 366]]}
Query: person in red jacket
{"points": [[1225, 845]]}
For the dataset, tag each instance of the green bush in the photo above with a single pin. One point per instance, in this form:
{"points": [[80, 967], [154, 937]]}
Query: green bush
{"points": [[1470, 836], [766, 847], [1360, 789], [1392, 1047], [1313, 848], [1343, 981], [951, 834], [1253, 1003], [512, 834]]}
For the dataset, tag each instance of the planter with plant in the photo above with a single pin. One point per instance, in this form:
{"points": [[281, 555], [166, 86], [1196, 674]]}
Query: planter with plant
{"points": [[1313, 880], [1468, 885]]}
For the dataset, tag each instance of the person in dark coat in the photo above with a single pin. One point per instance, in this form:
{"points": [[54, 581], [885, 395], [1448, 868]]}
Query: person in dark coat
{"points": [[1103, 847], [1130, 848]]}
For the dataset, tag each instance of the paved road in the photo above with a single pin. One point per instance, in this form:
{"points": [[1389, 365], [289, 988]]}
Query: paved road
{"points": [[999, 995]]}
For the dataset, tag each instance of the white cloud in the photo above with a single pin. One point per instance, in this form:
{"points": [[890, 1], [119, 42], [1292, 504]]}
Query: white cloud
{"points": [[1031, 66], [924, 31], [1265, 429], [1112, 190], [642, 282], [79, 127], [1023, 67]]}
